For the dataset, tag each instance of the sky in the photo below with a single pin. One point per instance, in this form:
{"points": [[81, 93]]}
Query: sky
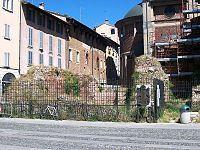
{"points": [[90, 12]]}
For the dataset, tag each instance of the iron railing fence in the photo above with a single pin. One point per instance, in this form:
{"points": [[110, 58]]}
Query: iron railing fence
{"points": [[65, 100], [96, 100]]}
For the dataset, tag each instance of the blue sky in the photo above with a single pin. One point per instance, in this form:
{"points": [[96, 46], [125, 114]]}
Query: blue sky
{"points": [[90, 12]]}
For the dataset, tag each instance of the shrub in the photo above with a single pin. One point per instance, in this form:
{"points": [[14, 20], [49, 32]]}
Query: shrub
{"points": [[71, 84]]}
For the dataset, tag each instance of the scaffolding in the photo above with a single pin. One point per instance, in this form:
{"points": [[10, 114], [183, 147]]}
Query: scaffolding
{"points": [[179, 55], [188, 53]]}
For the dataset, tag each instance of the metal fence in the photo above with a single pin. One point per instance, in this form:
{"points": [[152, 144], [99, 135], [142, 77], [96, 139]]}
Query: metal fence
{"points": [[93, 100]]}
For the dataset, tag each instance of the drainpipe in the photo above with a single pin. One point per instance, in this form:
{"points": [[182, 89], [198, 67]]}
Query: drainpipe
{"points": [[20, 38], [67, 49], [147, 30], [92, 59]]}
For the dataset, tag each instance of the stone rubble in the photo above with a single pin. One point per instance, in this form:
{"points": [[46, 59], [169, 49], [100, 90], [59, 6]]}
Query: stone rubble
{"points": [[149, 67]]}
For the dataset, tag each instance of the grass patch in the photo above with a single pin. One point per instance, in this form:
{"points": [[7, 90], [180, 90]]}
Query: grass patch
{"points": [[171, 111]]}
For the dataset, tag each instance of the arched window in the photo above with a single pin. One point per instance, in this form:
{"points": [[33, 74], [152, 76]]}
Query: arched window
{"points": [[97, 62], [86, 58], [169, 11], [6, 81]]}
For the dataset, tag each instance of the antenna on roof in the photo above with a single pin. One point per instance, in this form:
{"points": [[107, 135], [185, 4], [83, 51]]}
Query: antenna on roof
{"points": [[106, 16]]}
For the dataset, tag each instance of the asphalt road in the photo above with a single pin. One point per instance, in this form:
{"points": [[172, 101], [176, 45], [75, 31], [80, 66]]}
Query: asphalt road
{"points": [[22, 134]]}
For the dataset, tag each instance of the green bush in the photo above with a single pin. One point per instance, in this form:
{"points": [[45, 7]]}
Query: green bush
{"points": [[71, 84]]}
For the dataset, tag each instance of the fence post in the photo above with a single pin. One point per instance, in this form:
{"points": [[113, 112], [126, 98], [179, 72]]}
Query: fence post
{"points": [[30, 108], [116, 102], [30, 100], [57, 96], [86, 108]]}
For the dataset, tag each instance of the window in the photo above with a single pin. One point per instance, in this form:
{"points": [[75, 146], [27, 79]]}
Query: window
{"points": [[70, 55], [59, 47], [41, 40], [30, 15], [169, 11], [59, 28], [41, 59], [53, 25], [50, 61], [50, 44], [86, 58], [30, 58], [112, 31], [4, 3], [77, 57], [97, 62], [7, 31], [41, 19], [101, 64], [122, 32], [6, 59], [8, 5], [59, 63], [30, 37], [49, 23]]}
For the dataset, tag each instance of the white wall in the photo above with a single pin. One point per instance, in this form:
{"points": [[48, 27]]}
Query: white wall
{"points": [[105, 30]]}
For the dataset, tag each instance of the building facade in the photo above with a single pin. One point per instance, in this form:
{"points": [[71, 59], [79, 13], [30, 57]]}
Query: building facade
{"points": [[110, 32], [42, 39], [86, 51], [131, 40], [33, 36], [167, 27], [107, 30], [169, 34], [9, 41]]}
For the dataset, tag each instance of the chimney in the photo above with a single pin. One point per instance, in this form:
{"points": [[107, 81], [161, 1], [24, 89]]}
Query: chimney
{"points": [[106, 21], [41, 5]]}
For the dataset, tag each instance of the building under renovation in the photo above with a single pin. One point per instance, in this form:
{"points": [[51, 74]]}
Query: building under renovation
{"points": [[171, 34]]}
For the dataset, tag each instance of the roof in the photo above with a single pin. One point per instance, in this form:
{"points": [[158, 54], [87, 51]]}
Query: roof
{"points": [[43, 11], [135, 11], [108, 41], [70, 19], [105, 22]]}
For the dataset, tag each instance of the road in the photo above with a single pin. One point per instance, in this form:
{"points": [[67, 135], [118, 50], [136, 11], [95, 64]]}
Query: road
{"points": [[27, 134]]}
